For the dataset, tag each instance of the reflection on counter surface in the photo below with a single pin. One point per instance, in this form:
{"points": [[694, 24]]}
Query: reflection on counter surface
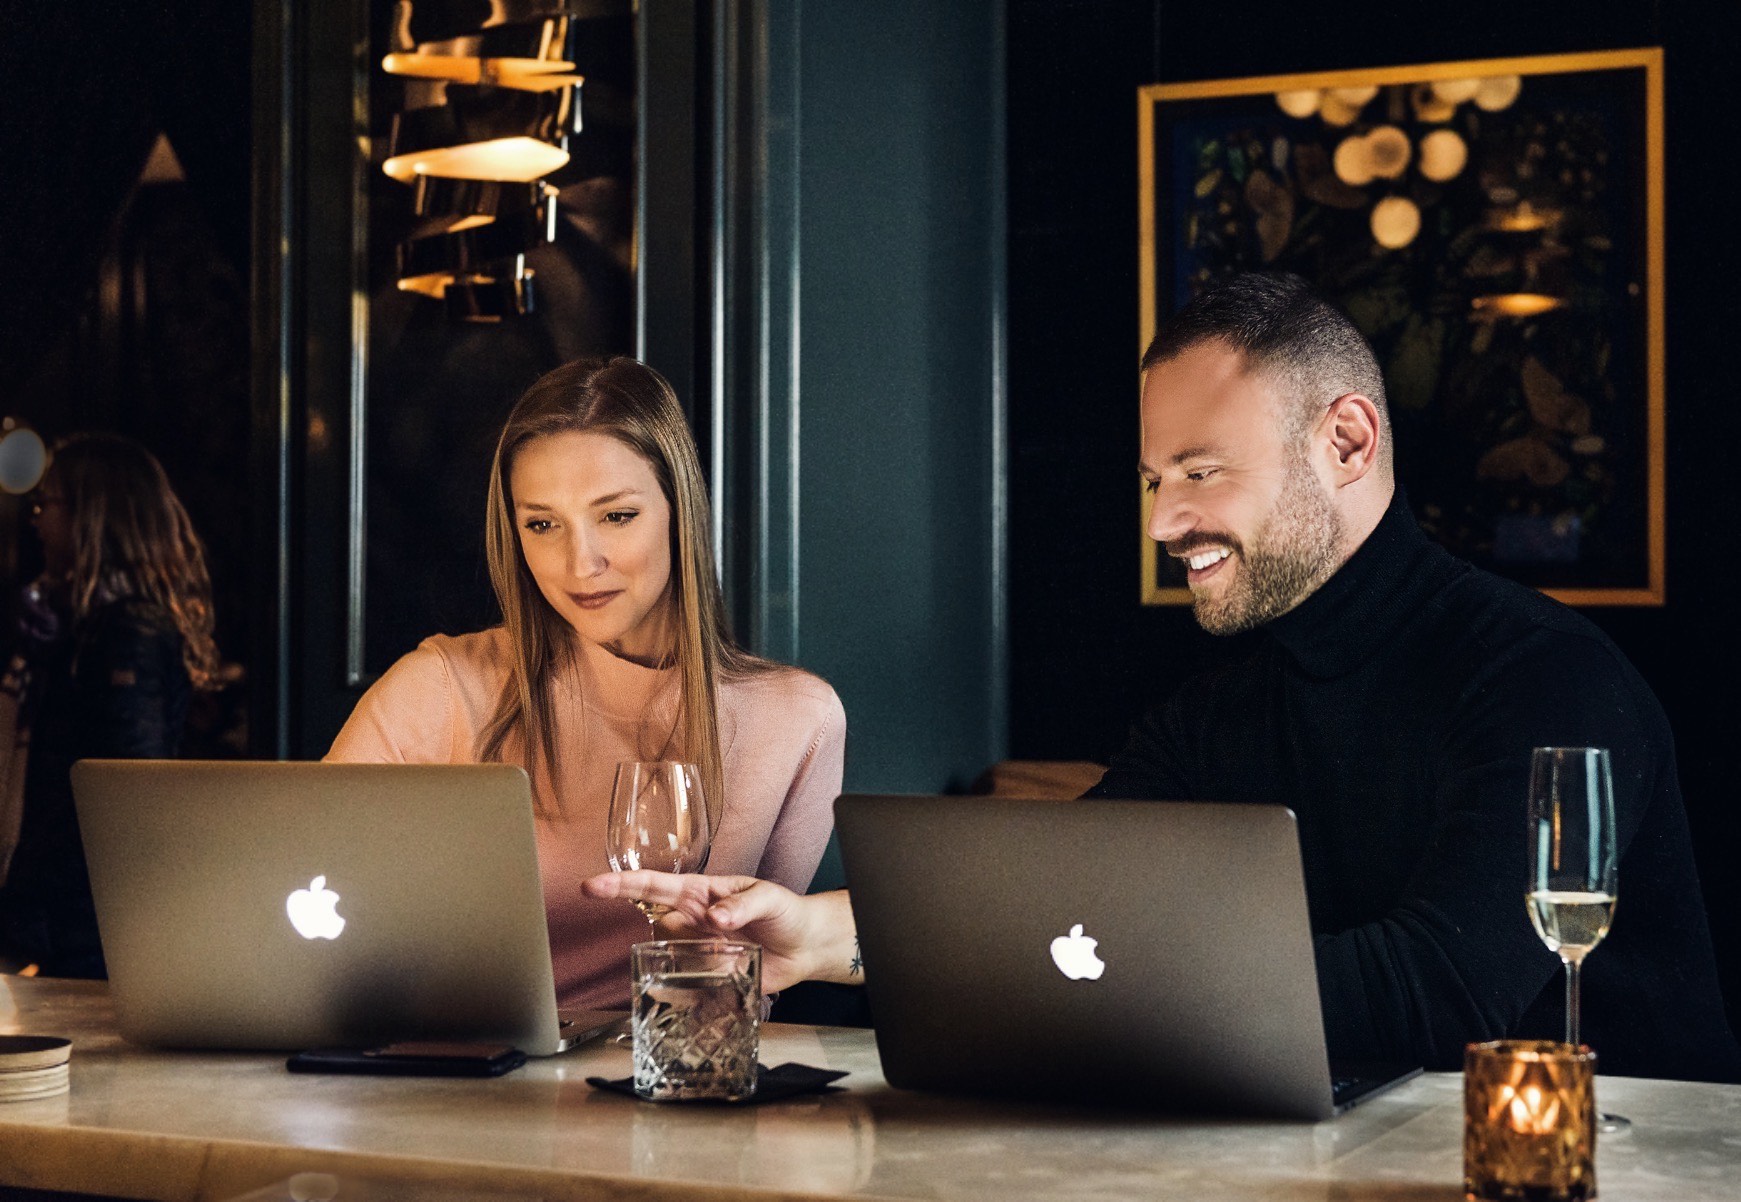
{"points": [[199, 1127]]}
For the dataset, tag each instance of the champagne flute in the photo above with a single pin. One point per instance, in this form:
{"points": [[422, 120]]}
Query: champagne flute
{"points": [[1573, 863], [658, 820]]}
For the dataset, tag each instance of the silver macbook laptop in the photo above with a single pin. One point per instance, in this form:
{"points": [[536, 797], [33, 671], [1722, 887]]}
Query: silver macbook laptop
{"points": [[302, 905], [1155, 952]]}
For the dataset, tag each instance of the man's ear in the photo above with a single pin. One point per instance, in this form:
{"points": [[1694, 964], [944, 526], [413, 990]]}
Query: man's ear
{"points": [[1354, 437]]}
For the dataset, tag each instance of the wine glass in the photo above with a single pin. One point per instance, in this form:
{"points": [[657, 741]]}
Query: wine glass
{"points": [[1573, 870], [658, 820]]}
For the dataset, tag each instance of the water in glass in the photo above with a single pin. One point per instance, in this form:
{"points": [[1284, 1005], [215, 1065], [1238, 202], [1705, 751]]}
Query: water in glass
{"points": [[697, 1019]]}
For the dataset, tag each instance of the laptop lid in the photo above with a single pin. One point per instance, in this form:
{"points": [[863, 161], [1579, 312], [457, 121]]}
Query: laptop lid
{"points": [[298, 905], [1157, 952]]}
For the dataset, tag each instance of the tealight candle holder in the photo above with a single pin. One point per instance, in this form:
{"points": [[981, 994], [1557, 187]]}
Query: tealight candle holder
{"points": [[1529, 1122]]}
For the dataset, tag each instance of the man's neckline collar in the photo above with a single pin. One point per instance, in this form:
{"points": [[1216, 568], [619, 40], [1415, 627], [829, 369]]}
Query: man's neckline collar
{"points": [[1336, 629]]}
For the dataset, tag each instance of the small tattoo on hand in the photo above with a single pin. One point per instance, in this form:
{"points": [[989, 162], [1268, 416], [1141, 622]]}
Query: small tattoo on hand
{"points": [[857, 965]]}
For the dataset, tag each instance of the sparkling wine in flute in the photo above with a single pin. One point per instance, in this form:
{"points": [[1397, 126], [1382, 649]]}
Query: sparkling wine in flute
{"points": [[1571, 922], [1573, 858], [1573, 865]]}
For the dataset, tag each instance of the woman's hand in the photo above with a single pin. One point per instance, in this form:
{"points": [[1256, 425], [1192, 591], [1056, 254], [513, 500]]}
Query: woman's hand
{"points": [[803, 937]]}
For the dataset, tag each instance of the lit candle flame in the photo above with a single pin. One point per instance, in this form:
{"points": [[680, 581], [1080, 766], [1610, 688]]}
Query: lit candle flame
{"points": [[1531, 1110]]}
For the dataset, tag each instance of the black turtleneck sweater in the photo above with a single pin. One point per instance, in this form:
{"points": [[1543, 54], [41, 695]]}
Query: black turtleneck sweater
{"points": [[1394, 711]]}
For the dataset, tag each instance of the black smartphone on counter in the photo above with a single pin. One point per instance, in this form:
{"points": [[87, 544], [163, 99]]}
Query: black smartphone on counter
{"points": [[423, 1058]]}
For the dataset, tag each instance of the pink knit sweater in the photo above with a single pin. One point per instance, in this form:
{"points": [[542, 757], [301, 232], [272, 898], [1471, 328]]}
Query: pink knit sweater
{"points": [[783, 735]]}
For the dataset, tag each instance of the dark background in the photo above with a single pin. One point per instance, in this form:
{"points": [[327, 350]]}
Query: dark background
{"points": [[128, 307], [1086, 656], [124, 289]]}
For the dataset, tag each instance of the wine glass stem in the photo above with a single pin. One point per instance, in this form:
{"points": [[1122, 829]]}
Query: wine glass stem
{"points": [[1572, 1002]]}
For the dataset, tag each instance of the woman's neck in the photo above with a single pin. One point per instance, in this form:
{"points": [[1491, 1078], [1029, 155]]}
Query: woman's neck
{"points": [[658, 662], [653, 641], [617, 684]]}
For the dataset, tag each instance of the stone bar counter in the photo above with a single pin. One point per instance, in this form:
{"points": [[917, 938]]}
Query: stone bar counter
{"points": [[185, 1126]]}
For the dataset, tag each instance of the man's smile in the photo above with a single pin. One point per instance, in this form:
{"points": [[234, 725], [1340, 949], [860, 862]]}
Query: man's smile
{"points": [[1202, 559]]}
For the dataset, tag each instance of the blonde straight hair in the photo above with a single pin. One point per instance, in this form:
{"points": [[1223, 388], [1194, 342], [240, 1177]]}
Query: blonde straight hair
{"points": [[634, 404]]}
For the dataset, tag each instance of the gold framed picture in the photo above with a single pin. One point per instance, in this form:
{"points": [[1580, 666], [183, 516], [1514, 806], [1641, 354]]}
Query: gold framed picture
{"points": [[1495, 229]]}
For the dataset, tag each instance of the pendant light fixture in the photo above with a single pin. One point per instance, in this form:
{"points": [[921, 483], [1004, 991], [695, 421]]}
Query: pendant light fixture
{"points": [[492, 100]]}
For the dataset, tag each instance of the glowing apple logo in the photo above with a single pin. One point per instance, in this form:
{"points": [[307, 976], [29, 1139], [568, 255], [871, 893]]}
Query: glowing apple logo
{"points": [[314, 915], [1074, 956]]}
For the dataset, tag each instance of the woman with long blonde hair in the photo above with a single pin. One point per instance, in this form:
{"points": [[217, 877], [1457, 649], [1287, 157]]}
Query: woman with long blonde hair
{"points": [[114, 638], [613, 646]]}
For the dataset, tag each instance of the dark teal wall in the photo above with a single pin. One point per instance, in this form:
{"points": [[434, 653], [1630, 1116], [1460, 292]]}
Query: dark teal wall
{"points": [[899, 474]]}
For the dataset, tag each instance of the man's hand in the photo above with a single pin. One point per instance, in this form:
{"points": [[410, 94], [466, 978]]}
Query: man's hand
{"points": [[803, 937]]}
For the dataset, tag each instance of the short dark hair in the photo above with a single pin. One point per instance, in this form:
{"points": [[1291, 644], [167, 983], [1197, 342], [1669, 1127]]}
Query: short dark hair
{"points": [[1285, 330]]}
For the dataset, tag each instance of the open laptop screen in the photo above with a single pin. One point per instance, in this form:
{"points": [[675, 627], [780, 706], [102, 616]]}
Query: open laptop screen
{"points": [[1150, 951], [296, 905]]}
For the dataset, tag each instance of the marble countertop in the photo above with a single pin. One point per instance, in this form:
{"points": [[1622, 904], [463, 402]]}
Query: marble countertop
{"points": [[183, 1126]]}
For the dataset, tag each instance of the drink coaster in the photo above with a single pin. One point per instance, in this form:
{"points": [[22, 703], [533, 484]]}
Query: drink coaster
{"points": [[772, 1084], [24, 1052]]}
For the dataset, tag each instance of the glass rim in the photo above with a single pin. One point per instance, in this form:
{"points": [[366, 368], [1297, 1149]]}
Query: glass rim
{"points": [[1531, 1051], [1558, 750], [691, 945], [654, 763]]}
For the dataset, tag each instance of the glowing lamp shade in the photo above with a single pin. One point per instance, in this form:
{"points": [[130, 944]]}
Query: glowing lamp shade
{"points": [[500, 134], [1443, 155], [1301, 103], [1388, 151], [429, 285], [1497, 92], [532, 74], [1353, 161], [480, 298], [518, 160], [23, 459], [459, 204], [478, 140], [1395, 222]]}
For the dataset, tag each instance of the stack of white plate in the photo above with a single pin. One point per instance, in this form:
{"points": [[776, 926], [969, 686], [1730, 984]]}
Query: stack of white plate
{"points": [[33, 1066]]}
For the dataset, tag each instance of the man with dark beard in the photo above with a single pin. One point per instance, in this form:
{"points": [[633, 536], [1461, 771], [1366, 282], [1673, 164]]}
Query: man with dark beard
{"points": [[1392, 701]]}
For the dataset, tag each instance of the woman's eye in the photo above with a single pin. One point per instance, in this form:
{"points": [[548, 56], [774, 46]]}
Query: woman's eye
{"points": [[538, 525], [1151, 485], [618, 517]]}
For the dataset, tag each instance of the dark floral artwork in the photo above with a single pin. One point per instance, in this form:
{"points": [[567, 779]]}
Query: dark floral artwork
{"points": [[1489, 227]]}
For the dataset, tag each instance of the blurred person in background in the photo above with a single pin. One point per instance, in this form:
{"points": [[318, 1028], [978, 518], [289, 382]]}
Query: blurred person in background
{"points": [[108, 647]]}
